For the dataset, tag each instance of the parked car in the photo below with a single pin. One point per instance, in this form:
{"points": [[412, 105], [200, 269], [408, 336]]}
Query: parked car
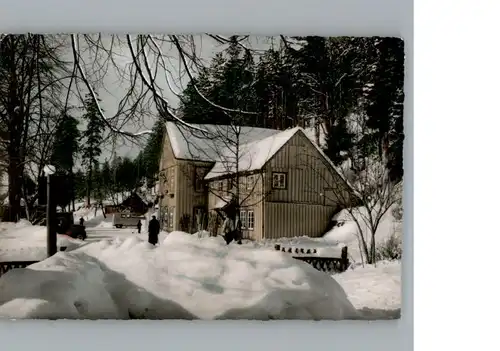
{"points": [[122, 220], [77, 231], [74, 231]]}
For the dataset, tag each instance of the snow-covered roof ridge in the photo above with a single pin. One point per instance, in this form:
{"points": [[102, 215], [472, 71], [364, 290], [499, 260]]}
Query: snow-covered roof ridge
{"points": [[208, 146], [253, 155], [198, 146]]}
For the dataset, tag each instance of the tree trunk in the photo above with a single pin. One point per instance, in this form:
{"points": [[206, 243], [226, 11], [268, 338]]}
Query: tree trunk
{"points": [[72, 179], [15, 187], [373, 247], [89, 186]]}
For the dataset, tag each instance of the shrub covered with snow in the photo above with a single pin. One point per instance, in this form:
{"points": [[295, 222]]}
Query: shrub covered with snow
{"points": [[390, 249], [347, 231], [184, 277]]}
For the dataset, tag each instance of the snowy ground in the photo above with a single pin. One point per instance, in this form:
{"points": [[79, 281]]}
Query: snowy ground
{"points": [[24, 242], [375, 290], [185, 277], [117, 274]]}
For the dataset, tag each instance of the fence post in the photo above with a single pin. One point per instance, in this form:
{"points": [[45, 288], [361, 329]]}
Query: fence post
{"points": [[344, 258]]}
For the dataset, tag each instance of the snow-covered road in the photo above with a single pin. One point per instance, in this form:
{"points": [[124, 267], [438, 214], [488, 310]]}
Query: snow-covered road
{"points": [[101, 233]]}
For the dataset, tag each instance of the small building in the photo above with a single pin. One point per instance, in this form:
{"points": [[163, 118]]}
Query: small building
{"points": [[281, 182], [133, 203]]}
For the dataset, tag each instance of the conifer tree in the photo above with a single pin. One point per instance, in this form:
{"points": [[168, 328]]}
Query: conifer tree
{"points": [[92, 141]]}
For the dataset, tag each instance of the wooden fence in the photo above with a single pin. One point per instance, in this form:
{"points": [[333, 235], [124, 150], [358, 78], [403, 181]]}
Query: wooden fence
{"points": [[325, 264], [7, 266]]}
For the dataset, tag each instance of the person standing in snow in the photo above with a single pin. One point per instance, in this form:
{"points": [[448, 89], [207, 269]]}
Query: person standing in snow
{"points": [[153, 231], [238, 235], [139, 226], [230, 229], [227, 229], [81, 221]]}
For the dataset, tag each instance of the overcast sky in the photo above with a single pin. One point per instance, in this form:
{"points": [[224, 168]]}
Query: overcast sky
{"points": [[113, 90]]}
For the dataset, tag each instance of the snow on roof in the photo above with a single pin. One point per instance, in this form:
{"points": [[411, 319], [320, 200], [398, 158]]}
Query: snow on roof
{"points": [[200, 146], [257, 146], [252, 156]]}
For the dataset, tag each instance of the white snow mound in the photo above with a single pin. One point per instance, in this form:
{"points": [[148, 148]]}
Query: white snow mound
{"points": [[348, 232], [184, 277], [23, 241]]}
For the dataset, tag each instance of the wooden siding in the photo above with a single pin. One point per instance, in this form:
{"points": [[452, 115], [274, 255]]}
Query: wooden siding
{"points": [[167, 187], [307, 203], [256, 233], [304, 207], [250, 194], [181, 195], [291, 220], [308, 175], [250, 189], [187, 198]]}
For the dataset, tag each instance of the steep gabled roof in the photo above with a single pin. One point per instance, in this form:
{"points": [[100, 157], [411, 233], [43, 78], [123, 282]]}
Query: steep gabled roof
{"points": [[252, 156], [257, 147], [191, 144], [256, 154]]}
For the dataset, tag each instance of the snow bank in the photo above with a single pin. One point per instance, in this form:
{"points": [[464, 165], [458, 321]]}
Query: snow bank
{"points": [[374, 289], [63, 286], [347, 232], [23, 241], [184, 277], [202, 234]]}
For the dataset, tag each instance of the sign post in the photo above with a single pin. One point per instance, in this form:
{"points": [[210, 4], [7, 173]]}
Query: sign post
{"points": [[51, 213]]}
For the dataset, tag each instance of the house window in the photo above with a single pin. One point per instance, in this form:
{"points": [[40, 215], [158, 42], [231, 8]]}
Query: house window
{"points": [[243, 218], [168, 217], [279, 180], [199, 173], [170, 175], [250, 219], [250, 182], [220, 185], [230, 184], [171, 217], [165, 217]]}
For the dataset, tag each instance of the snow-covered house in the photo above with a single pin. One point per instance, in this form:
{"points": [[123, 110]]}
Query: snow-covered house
{"points": [[284, 179]]}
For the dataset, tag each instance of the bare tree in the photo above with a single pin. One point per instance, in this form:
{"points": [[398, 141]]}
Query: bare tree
{"points": [[149, 68], [145, 71], [378, 194], [30, 85], [362, 187]]}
